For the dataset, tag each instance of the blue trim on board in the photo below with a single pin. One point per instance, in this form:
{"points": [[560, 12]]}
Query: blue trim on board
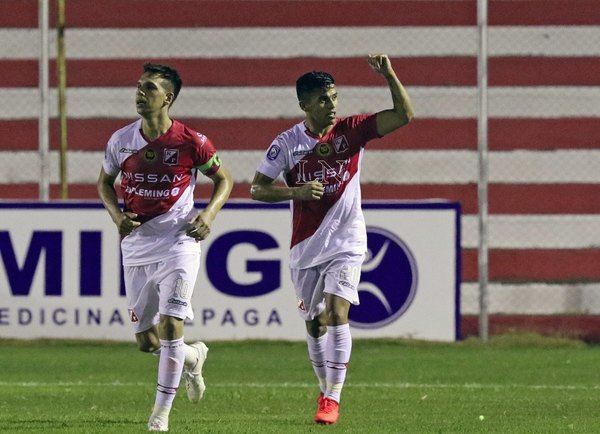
{"points": [[4, 204]]}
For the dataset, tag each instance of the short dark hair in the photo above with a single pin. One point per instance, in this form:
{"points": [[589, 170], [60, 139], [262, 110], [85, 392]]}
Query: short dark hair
{"points": [[167, 73], [311, 81]]}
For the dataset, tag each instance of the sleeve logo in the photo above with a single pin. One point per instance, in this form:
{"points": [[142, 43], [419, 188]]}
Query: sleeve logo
{"points": [[273, 152], [202, 138]]}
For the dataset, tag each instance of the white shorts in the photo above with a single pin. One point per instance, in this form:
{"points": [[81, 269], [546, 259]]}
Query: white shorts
{"points": [[164, 287], [340, 277]]}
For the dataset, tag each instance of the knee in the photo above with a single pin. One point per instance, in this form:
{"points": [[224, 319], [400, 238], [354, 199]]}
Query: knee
{"points": [[316, 330], [147, 342], [316, 327], [337, 317], [337, 311]]}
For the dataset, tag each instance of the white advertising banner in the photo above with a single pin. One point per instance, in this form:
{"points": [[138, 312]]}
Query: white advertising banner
{"points": [[60, 274]]}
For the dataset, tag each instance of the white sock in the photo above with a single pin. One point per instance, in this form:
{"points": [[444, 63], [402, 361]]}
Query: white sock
{"points": [[316, 353], [170, 366], [337, 356]]}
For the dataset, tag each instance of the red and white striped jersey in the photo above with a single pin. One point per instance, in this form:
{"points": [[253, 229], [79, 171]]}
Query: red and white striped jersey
{"points": [[334, 224], [157, 183]]}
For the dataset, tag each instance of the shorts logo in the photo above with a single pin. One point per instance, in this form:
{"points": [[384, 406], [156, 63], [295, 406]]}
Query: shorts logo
{"points": [[132, 316], [273, 152], [346, 283], [177, 301], [128, 151], [301, 305], [388, 281], [171, 157]]}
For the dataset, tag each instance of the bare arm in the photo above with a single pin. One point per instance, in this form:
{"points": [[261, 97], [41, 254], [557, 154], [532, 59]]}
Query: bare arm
{"points": [[402, 113], [199, 226], [264, 190], [125, 221]]}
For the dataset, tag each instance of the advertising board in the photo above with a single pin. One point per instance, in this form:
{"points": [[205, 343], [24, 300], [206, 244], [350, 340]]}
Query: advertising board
{"points": [[60, 274]]}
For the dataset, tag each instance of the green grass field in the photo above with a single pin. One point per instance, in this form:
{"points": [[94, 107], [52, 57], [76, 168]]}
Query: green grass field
{"points": [[519, 384]]}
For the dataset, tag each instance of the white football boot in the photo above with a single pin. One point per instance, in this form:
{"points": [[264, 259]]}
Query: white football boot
{"points": [[157, 423], [194, 383]]}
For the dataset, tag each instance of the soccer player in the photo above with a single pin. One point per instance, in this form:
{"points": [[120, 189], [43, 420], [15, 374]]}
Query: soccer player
{"points": [[158, 159], [320, 160]]}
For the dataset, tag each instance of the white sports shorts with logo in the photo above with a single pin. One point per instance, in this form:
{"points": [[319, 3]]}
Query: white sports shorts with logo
{"points": [[339, 276], [164, 287]]}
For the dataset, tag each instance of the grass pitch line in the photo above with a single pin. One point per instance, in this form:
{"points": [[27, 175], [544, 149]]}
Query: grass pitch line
{"points": [[60, 384]]}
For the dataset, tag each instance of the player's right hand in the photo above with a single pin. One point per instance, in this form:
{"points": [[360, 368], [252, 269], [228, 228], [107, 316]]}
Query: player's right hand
{"points": [[313, 190], [127, 223], [380, 63]]}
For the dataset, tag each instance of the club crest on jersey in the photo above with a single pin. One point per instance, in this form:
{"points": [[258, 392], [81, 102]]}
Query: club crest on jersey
{"points": [[150, 155], [341, 144], [273, 152], [171, 157], [324, 149]]}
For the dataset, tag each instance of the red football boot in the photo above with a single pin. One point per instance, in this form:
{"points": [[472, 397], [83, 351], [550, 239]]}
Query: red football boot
{"points": [[328, 412]]}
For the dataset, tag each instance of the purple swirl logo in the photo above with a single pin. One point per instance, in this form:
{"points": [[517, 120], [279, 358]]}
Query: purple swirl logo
{"points": [[388, 281]]}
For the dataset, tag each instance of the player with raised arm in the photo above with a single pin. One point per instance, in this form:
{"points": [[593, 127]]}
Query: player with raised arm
{"points": [[158, 159], [320, 160]]}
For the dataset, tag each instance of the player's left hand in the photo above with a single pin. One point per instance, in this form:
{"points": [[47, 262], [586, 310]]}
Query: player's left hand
{"points": [[380, 63], [199, 227]]}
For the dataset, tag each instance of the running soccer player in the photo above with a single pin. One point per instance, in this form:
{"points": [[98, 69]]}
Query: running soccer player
{"points": [[320, 159], [158, 159]]}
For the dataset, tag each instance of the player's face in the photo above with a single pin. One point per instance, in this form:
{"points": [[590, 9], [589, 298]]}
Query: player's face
{"points": [[151, 96], [321, 107]]}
